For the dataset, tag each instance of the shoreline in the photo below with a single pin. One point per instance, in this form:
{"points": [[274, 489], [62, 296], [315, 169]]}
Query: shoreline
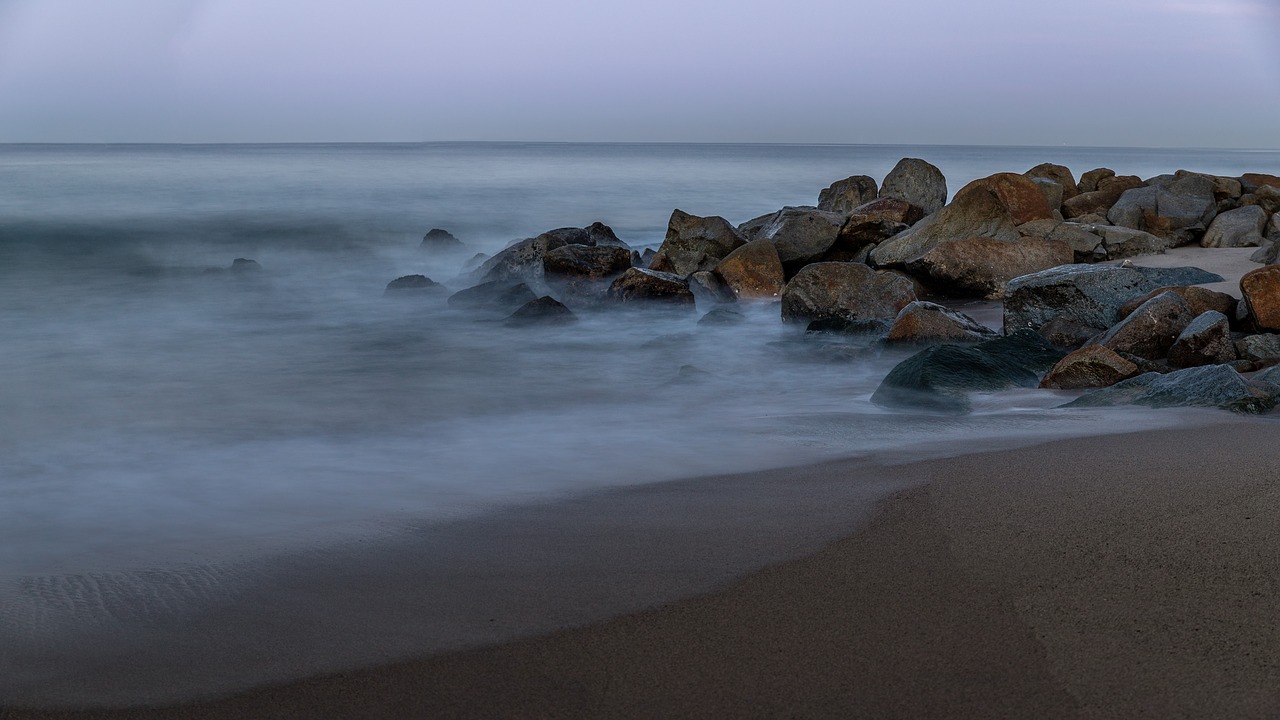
{"points": [[924, 528]]}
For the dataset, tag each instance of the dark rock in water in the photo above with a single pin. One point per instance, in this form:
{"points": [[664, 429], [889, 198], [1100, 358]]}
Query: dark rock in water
{"points": [[1199, 299], [411, 284], [695, 243], [1089, 181], [1090, 295], [475, 261], [989, 207], [1177, 275], [245, 265], [845, 195], [651, 286], [501, 295], [983, 266], [1264, 346], [917, 182], [1206, 341], [521, 261], [1261, 291], [1101, 200], [594, 262], [1058, 174], [1089, 367], [1214, 386], [438, 240], [1241, 227], [646, 257], [722, 316], [844, 326], [689, 375], [545, 310], [753, 270], [708, 288], [940, 377], [1178, 211], [1150, 330], [801, 235], [594, 235], [844, 290], [926, 322]]}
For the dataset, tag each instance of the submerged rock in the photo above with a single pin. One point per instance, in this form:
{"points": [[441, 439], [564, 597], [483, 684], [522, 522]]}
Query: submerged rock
{"points": [[722, 316], [438, 240], [501, 295], [708, 288], [545, 310], [651, 286], [1212, 386], [411, 284], [245, 265]]}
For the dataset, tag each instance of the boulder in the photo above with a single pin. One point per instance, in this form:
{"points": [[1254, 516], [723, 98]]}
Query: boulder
{"points": [[990, 207], [592, 262], [750, 230], [1178, 211], [1093, 366], [983, 266], [1264, 346], [926, 322], [1089, 295], [1123, 242], [1052, 192], [1241, 227], [438, 240], [753, 270], [940, 377], [1151, 330], [522, 260], [1265, 197], [1200, 300], [1214, 386], [411, 284], [1059, 174], [917, 182], [848, 291], [1184, 275], [722, 316], [1261, 290], [894, 210], [545, 310], [1101, 200], [245, 265], [1089, 181], [845, 195], [1086, 246], [1205, 341], [841, 326], [708, 288], [1251, 182], [501, 295], [594, 235], [695, 243], [651, 286], [801, 235], [1064, 332], [869, 225]]}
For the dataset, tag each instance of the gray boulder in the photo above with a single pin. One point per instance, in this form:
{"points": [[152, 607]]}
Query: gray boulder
{"points": [[1178, 211], [437, 240], [695, 243], [1058, 174], [917, 182], [522, 260], [1089, 295], [411, 284], [1151, 330], [500, 295], [1241, 227], [1052, 193], [1265, 197], [545, 310], [983, 266], [1100, 200], [845, 195], [593, 262], [709, 289], [638, 285], [801, 235], [1213, 386], [1205, 341], [1123, 242], [1086, 245], [847, 291], [594, 235], [1263, 346], [1184, 275]]}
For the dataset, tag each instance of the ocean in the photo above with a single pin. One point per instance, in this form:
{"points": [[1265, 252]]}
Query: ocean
{"points": [[158, 414]]}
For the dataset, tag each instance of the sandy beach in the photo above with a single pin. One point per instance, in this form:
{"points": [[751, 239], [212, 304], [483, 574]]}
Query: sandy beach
{"points": [[1129, 575]]}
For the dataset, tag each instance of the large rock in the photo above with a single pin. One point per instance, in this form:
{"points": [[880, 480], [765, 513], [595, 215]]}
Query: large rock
{"points": [[753, 270], [709, 289], [437, 240], [1250, 182], [1100, 200], [869, 225], [1123, 242], [1052, 193], [1179, 211], [1151, 330], [983, 266], [638, 285], [1261, 347], [596, 234], [1241, 227], [1093, 366], [1089, 180], [940, 377], [593, 262], [801, 235], [894, 210], [1059, 174], [1200, 300], [1090, 295], [411, 284], [845, 195], [545, 310], [848, 291], [520, 261], [917, 182], [1261, 290], [1205, 341], [1265, 197], [1086, 246], [990, 207], [695, 243], [499, 295], [926, 322], [1213, 386]]}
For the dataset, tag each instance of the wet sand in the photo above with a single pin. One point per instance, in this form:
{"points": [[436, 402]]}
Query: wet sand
{"points": [[1109, 577]]}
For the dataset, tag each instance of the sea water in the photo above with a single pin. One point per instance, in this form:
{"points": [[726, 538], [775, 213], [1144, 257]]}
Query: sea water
{"points": [[157, 410]]}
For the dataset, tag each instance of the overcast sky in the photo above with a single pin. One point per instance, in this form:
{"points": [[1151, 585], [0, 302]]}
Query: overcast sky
{"points": [[1199, 73]]}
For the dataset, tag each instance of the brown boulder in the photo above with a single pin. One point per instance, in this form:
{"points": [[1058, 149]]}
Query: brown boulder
{"points": [[1261, 290], [753, 270], [890, 209], [586, 261], [1250, 182], [695, 243], [640, 285], [1089, 367], [989, 207], [1100, 201], [848, 291], [845, 195], [1150, 330], [1199, 300], [983, 266], [926, 322], [1089, 181], [1058, 174]]}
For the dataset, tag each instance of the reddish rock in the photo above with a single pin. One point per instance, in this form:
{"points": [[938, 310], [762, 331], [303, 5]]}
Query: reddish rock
{"points": [[753, 270], [640, 285], [926, 322], [1261, 290], [1099, 201], [1089, 367], [983, 266], [848, 291], [1089, 181], [1199, 300]]}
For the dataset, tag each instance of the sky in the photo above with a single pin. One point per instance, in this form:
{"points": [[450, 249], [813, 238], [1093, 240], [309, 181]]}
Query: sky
{"points": [[1143, 73]]}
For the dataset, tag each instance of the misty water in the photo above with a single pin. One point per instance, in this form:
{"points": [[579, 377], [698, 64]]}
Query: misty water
{"points": [[157, 414]]}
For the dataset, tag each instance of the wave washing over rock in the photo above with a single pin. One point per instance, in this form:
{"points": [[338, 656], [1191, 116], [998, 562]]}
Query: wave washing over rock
{"points": [[217, 372]]}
